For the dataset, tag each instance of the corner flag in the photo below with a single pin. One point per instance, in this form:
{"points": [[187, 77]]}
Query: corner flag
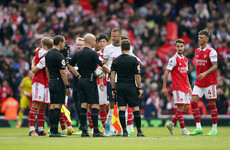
{"points": [[115, 120]]}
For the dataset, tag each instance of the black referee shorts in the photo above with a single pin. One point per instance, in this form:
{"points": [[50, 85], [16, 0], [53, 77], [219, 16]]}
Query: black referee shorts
{"points": [[57, 91], [127, 94], [88, 92]]}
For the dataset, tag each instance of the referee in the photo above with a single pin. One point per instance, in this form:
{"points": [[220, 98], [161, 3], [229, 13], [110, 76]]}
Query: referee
{"points": [[127, 69], [58, 83], [87, 61]]}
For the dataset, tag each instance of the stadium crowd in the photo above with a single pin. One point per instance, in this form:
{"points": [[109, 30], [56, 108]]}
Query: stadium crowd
{"points": [[24, 22]]}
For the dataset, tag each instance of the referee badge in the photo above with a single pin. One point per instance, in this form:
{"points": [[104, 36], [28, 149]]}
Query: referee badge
{"points": [[63, 62]]}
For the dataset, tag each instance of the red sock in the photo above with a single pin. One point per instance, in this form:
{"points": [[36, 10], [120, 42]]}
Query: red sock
{"points": [[90, 119], [180, 117], [67, 122], [174, 119], [214, 113], [41, 117], [195, 111], [62, 121], [130, 116], [32, 116], [103, 116]]}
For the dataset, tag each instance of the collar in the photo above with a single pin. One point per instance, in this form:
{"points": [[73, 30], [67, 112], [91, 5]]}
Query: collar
{"points": [[204, 48], [180, 56]]}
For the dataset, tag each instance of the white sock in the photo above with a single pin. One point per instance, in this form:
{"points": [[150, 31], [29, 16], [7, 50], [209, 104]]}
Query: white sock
{"points": [[109, 116], [40, 129], [172, 123], [214, 127], [198, 125], [32, 128], [64, 130], [69, 127], [183, 129], [130, 127]]}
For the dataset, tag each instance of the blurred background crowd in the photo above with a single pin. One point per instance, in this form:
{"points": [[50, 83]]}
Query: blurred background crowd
{"points": [[151, 25]]}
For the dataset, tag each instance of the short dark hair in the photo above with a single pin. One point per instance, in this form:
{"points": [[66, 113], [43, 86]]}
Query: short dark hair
{"points": [[204, 32], [125, 45], [179, 41], [57, 39], [103, 36], [124, 37]]}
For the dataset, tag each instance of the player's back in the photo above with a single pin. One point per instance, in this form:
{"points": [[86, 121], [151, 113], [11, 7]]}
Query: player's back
{"points": [[40, 76]]}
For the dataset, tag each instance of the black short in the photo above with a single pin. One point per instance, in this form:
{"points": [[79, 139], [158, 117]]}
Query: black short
{"points": [[57, 91], [127, 94], [88, 92]]}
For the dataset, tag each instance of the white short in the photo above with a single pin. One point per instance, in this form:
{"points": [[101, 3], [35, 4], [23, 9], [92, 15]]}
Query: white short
{"points": [[102, 96], [209, 92], [181, 98], [40, 93]]}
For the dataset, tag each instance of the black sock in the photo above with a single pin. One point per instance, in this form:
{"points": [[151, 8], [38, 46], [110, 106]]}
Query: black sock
{"points": [[94, 116], [122, 120], [83, 119], [56, 117], [51, 120], [137, 119]]}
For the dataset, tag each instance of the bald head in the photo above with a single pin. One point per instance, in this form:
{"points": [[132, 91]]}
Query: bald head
{"points": [[89, 40]]}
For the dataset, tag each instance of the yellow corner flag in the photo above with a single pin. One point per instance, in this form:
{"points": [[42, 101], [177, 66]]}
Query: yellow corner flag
{"points": [[66, 111], [115, 120]]}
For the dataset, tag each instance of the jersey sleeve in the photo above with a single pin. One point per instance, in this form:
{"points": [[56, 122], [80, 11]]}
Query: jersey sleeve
{"points": [[213, 56], [61, 62], [106, 53], [132, 54], [41, 64], [113, 66], [136, 67], [171, 63], [41, 53], [73, 60]]}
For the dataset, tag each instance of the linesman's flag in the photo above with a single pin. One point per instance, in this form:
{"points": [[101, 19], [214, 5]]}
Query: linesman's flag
{"points": [[66, 111], [115, 120]]}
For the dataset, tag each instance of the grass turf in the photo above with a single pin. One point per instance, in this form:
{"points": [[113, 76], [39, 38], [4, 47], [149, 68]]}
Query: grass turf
{"points": [[156, 138]]}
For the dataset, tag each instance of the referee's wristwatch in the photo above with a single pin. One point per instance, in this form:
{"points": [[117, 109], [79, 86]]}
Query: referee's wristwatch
{"points": [[67, 86]]}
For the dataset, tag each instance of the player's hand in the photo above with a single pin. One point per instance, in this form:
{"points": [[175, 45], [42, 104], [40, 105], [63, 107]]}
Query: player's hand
{"points": [[114, 94], [67, 91], [200, 76], [164, 91], [140, 92], [101, 86], [190, 90]]}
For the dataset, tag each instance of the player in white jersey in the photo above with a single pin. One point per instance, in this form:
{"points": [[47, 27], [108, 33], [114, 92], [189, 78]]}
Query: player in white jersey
{"points": [[111, 52]]}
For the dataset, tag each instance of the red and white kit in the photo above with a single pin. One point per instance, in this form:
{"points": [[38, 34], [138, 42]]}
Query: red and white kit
{"points": [[102, 94], [179, 66], [206, 86], [40, 82]]}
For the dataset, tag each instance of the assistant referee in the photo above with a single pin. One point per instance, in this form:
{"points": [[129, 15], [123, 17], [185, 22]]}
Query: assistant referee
{"points": [[58, 83], [87, 60], [127, 69]]}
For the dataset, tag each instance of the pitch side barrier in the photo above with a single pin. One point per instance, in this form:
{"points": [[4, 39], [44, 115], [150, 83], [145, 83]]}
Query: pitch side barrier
{"points": [[223, 120]]}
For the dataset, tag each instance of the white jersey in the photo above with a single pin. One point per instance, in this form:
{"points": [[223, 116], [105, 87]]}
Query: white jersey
{"points": [[111, 52]]}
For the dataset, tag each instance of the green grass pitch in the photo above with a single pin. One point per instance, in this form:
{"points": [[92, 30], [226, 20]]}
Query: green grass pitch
{"points": [[156, 138]]}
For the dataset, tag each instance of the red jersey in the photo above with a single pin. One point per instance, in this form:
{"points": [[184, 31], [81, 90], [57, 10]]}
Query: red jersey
{"points": [[40, 76], [204, 59], [179, 67], [98, 80]]}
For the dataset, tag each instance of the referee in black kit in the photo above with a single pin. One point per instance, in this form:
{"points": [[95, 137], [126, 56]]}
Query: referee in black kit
{"points": [[87, 61], [58, 83], [127, 69]]}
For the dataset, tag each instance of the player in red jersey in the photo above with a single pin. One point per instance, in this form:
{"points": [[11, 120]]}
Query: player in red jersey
{"points": [[181, 88], [40, 91], [206, 81]]}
